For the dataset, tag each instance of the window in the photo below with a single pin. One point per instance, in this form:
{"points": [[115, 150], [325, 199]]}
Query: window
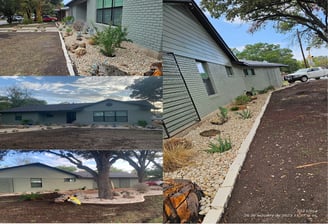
{"points": [[18, 117], [205, 77], [36, 182], [110, 116], [69, 180], [249, 71], [109, 12], [229, 71]]}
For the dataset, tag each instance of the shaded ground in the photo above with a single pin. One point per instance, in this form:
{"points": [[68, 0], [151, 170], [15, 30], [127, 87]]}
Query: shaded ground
{"points": [[31, 53], [271, 188], [46, 211], [83, 138]]}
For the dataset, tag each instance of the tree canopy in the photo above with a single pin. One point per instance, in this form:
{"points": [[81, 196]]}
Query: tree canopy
{"points": [[270, 53], [309, 16], [147, 89]]}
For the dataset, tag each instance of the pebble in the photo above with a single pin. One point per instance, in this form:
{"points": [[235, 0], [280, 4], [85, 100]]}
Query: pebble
{"points": [[209, 170]]}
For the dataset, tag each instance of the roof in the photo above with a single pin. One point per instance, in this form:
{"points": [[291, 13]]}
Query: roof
{"points": [[40, 165], [69, 107], [198, 13], [85, 174], [262, 64], [75, 1]]}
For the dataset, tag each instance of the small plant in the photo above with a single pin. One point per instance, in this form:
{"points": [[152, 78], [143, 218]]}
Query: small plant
{"points": [[242, 100], [223, 145], [265, 90], [68, 30], [224, 113], [245, 114], [142, 123], [141, 187], [68, 20], [30, 197], [235, 108], [78, 25], [111, 38]]}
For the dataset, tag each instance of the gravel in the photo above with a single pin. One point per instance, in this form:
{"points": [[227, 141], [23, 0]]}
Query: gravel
{"points": [[131, 58], [209, 170]]}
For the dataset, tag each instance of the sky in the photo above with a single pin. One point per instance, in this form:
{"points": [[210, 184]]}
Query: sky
{"points": [[70, 89], [15, 158]]}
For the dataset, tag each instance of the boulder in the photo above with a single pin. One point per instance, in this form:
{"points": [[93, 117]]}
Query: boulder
{"points": [[80, 51]]}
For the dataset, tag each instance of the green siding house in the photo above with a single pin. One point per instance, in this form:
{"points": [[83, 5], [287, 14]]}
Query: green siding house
{"points": [[108, 111], [200, 71], [38, 177]]}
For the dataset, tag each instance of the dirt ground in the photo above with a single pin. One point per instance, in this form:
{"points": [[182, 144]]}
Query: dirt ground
{"points": [[45, 210], [31, 53], [273, 185], [83, 138]]}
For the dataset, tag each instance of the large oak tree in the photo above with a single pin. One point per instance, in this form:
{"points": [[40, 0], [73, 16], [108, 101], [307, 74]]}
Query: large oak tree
{"points": [[308, 16]]}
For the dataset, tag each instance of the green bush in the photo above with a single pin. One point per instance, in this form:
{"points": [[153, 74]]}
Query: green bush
{"points": [[26, 122], [68, 20], [234, 108], [242, 100], [111, 38], [29, 197], [142, 123], [223, 145], [265, 90], [224, 113], [245, 114]]}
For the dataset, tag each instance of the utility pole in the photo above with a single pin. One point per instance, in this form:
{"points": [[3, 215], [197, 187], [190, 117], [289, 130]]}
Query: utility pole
{"points": [[299, 40]]}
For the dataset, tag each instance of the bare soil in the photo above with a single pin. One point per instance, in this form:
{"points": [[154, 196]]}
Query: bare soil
{"points": [[45, 210], [274, 186], [31, 53], [83, 138]]}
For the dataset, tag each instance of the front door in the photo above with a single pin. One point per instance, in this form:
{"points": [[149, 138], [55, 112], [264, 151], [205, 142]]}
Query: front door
{"points": [[70, 117]]}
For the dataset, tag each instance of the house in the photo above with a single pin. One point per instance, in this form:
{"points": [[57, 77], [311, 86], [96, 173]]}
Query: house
{"points": [[142, 18], [200, 71], [37, 177], [109, 111]]}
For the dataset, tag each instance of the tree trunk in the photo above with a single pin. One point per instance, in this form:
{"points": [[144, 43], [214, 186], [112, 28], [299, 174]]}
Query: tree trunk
{"points": [[141, 175], [104, 188]]}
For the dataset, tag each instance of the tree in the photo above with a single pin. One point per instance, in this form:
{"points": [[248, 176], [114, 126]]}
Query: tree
{"points": [[270, 53], [309, 16], [9, 8], [20, 97], [154, 173], [321, 61], [139, 160], [67, 168], [103, 159], [147, 89]]}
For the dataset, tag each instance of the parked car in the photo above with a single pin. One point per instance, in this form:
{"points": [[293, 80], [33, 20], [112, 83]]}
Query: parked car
{"points": [[306, 73], [47, 18], [17, 18], [154, 182]]}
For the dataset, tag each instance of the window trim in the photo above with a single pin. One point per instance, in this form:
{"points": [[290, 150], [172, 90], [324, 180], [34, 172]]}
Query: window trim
{"points": [[116, 117], [18, 117], [113, 10], [69, 179], [249, 71], [37, 184], [229, 70], [208, 82]]}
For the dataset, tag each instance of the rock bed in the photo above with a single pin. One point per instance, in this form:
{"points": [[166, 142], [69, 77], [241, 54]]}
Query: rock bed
{"points": [[130, 59], [209, 170]]}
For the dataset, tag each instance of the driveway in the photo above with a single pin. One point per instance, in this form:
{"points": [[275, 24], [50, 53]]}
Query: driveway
{"points": [[284, 177], [31, 53]]}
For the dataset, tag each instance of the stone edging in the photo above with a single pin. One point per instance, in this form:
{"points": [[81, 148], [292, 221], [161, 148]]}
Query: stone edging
{"points": [[68, 60], [223, 194]]}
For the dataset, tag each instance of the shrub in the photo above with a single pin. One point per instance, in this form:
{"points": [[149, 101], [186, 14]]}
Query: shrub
{"points": [[68, 20], [224, 113], [30, 197], [142, 123], [234, 108], [245, 114], [177, 153], [111, 38], [141, 187], [242, 100], [265, 90], [223, 145]]}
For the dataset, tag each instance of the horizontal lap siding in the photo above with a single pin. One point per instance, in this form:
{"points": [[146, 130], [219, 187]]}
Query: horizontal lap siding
{"points": [[179, 111], [185, 36]]}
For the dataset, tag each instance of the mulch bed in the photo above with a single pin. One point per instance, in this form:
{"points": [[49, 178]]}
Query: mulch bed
{"points": [[45, 210], [29, 53], [272, 187], [84, 138]]}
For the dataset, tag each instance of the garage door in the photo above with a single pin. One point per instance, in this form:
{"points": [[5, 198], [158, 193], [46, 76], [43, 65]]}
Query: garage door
{"points": [[6, 185]]}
